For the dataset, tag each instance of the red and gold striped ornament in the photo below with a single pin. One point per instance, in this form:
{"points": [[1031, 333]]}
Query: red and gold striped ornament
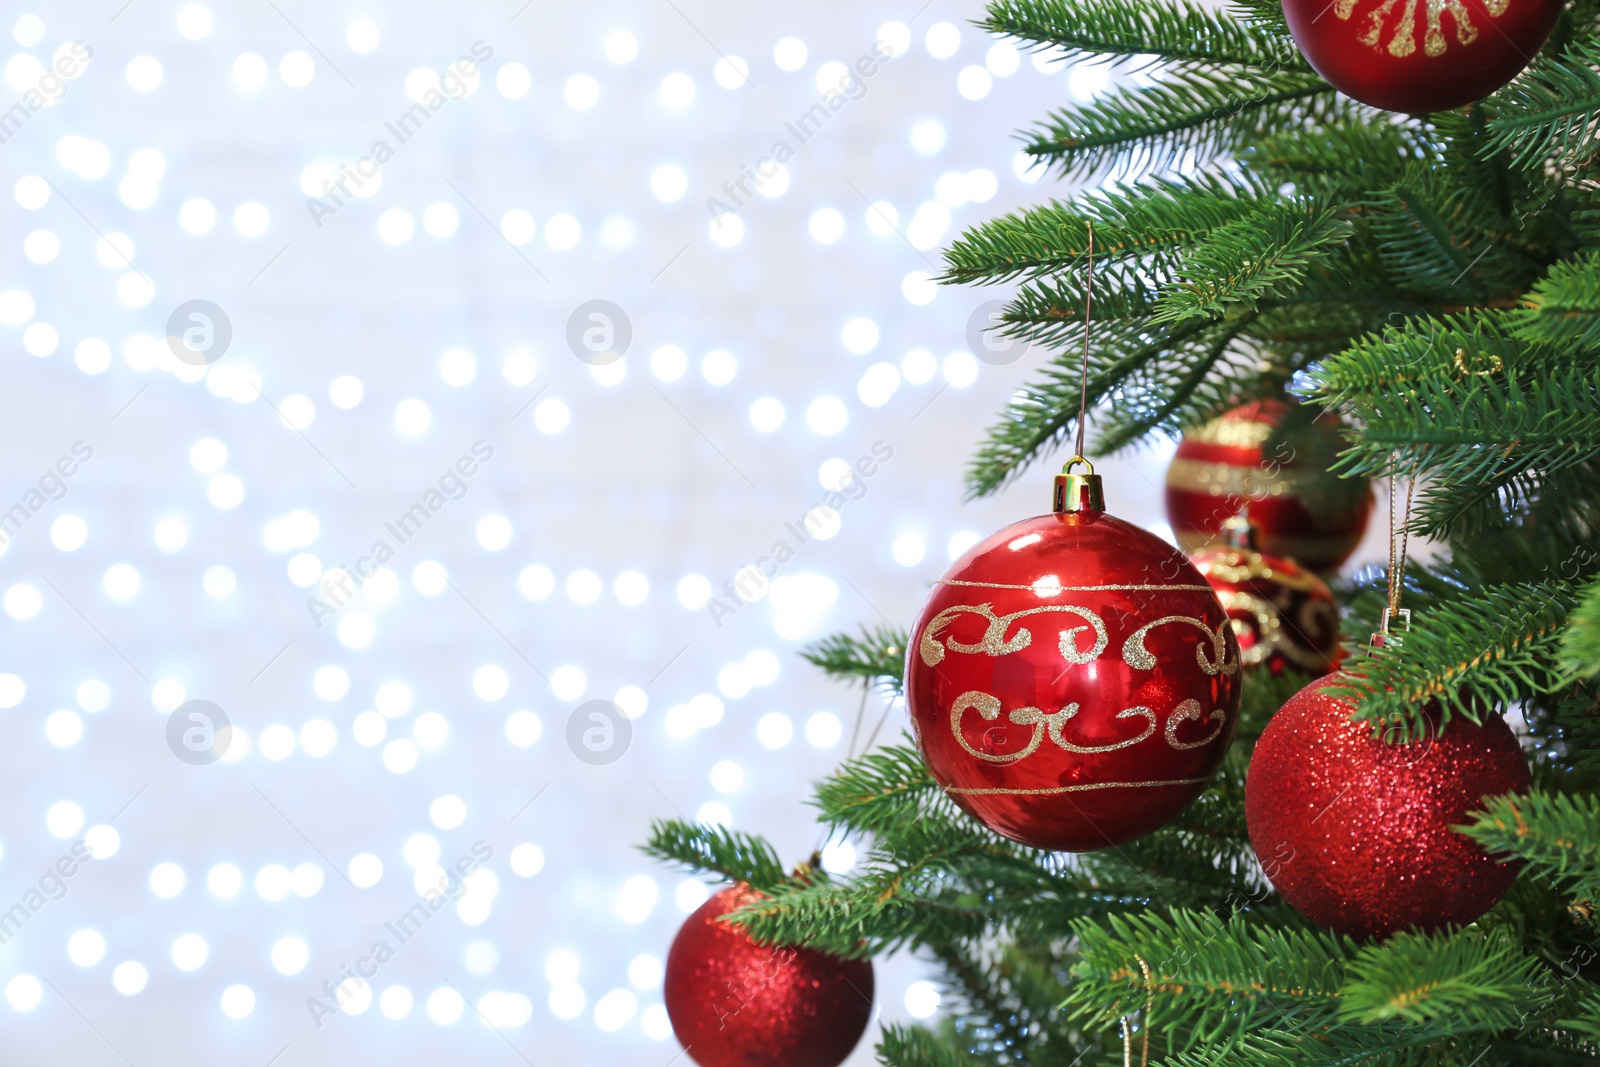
{"points": [[1273, 456]]}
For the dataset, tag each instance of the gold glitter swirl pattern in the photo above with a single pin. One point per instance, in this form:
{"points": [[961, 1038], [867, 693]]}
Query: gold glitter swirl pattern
{"points": [[1190, 709], [988, 707], [1050, 724], [1137, 656], [994, 641], [1054, 722]]}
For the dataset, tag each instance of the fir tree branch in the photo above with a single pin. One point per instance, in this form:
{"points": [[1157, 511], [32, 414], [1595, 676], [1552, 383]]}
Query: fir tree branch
{"points": [[1042, 414], [1556, 834], [1399, 357], [737, 856], [1230, 369], [1243, 263], [1476, 412], [913, 1046], [1587, 1020], [1471, 655], [1178, 32], [880, 791], [1190, 117], [1049, 311], [1564, 306], [1344, 1046], [1337, 157], [1576, 718], [1551, 112], [981, 989], [1141, 223], [1214, 980], [865, 918], [1446, 981], [877, 657], [1440, 240], [1580, 645]]}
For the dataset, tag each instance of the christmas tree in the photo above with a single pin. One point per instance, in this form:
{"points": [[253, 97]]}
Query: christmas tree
{"points": [[1435, 280]]}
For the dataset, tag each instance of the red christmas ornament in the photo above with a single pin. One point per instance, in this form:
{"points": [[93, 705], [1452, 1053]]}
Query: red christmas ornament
{"points": [[1283, 615], [1299, 509], [1420, 55], [1072, 680], [1355, 832], [735, 1002]]}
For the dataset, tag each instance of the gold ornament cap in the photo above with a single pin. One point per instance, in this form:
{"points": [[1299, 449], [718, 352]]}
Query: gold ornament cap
{"points": [[1077, 492]]}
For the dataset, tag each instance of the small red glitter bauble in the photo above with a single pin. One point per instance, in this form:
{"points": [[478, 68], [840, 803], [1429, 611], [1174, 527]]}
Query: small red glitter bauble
{"points": [[1072, 680], [1299, 509], [735, 1002], [1420, 55], [1355, 832], [1284, 616]]}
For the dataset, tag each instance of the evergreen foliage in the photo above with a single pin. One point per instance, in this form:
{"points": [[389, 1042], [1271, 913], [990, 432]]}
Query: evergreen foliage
{"points": [[1434, 279]]}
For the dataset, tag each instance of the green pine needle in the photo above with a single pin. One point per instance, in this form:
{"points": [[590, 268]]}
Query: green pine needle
{"points": [[1471, 655], [877, 657], [737, 856], [1143, 30], [1213, 980], [1580, 646], [1458, 979], [1553, 833], [1552, 112], [1185, 119]]}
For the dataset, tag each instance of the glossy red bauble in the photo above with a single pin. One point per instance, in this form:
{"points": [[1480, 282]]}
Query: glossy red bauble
{"points": [[735, 1002], [1355, 832], [1284, 616], [1273, 456], [1073, 681], [1420, 55]]}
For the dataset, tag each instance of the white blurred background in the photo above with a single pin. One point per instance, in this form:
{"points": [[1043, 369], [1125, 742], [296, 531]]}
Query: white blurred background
{"points": [[374, 342]]}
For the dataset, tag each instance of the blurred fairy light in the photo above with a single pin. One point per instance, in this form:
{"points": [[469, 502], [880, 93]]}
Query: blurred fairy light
{"points": [[449, 671]]}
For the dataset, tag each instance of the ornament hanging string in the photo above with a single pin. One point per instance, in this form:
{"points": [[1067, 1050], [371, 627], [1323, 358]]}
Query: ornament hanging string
{"points": [[1400, 536], [855, 735], [1088, 306]]}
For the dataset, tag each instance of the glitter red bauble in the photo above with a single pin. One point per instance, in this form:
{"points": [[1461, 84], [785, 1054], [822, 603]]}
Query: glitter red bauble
{"points": [[735, 1002], [1274, 456], [1355, 832], [1284, 616], [1073, 681], [1420, 55]]}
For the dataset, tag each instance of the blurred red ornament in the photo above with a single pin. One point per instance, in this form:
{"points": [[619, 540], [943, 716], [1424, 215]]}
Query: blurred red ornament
{"points": [[1355, 831], [1072, 680], [1299, 509], [735, 1002], [1283, 615], [1418, 56]]}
